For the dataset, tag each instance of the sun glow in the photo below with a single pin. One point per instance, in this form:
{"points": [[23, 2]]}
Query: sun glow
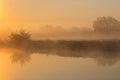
{"points": [[1, 7]]}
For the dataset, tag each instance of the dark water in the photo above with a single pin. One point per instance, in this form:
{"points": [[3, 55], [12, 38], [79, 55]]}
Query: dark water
{"points": [[61, 63]]}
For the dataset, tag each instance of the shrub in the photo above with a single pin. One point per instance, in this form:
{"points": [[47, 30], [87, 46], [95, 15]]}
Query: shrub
{"points": [[20, 38]]}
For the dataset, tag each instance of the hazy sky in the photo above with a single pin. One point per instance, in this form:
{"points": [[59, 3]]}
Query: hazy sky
{"points": [[66, 13]]}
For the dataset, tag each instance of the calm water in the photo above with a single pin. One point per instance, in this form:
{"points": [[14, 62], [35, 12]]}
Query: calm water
{"points": [[64, 65]]}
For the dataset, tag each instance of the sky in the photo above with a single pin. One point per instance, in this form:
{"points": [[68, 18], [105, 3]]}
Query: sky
{"points": [[32, 14]]}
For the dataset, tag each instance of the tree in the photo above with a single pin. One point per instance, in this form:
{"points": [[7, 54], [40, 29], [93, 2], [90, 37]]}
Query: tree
{"points": [[20, 38], [106, 25]]}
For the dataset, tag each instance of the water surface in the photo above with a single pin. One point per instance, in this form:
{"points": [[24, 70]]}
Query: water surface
{"points": [[59, 65]]}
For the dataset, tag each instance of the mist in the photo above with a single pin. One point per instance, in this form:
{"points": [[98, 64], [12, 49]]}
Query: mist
{"points": [[101, 28]]}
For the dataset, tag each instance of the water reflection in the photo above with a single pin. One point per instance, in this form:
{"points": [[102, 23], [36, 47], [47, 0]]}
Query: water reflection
{"points": [[20, 57], [106, 54]]}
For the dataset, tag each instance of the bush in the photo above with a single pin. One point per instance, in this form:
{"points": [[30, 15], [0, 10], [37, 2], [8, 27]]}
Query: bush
{"points": [[20, 38]]}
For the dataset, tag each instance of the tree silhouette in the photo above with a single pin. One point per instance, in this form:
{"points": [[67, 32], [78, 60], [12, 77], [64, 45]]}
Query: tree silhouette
{"points": [[20, 38], [106, 25]]}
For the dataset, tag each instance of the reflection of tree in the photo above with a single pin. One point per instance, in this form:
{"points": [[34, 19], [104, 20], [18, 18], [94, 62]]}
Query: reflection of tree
{"points": [[106, 61], [103, 52], [20, 56]]}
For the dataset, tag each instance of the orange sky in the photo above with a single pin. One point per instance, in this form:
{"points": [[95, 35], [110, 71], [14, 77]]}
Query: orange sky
{"points": [[32, 14], [60, 12]]}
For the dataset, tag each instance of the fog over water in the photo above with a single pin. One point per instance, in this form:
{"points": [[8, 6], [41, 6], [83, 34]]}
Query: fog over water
{"points": [[59, 40], [62, 54]]}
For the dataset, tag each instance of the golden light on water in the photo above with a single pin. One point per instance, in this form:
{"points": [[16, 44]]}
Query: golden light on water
{"points": [[2, 76], [5, 72]]}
